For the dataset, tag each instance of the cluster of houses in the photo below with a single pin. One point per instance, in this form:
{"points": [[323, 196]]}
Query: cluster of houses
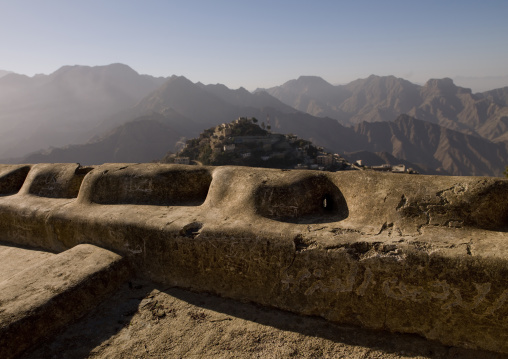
{"points": [[279, 146], [182, 160], [325, 162], [269, 144], [387, 168], [228, 139]]}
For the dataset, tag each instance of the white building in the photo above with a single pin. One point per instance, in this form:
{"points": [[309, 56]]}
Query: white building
{"points": [[399, 169], [182, 160]]}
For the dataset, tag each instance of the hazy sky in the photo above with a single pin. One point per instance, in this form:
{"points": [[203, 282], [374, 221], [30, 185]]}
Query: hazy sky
{"points": [[259, 43]]}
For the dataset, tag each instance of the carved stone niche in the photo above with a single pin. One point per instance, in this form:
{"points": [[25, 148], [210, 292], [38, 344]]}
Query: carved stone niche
{"points": [[312, 199], [12, 179]]}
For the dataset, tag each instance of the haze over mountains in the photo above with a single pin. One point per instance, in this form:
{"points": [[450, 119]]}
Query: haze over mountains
{"points": [[126, 117], [481, 84], [61, 108]]}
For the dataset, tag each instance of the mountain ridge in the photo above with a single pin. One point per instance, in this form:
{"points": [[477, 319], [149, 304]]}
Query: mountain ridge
{"points": [[187, 108], [425, 143], [383, 98], [4, 72], [59, 108]]}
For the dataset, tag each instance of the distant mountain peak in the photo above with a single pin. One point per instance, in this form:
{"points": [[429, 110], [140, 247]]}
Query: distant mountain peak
{"points": [[406, 118], [444, 86], [314, 81], [313, 85], [117, 68], [177, 79], [12, 79], [311, 78], [379, 79], [4, 72], [444, 83]]}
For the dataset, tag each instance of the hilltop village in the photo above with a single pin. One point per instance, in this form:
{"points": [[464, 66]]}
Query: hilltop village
{"points": [[245, 142]]}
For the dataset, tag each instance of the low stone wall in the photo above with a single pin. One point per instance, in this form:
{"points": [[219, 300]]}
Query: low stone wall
{"points": [[404, 253], [36, 302]]}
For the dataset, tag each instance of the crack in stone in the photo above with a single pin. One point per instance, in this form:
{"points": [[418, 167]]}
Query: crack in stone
{"points": [[402, 203], [469, 248]]}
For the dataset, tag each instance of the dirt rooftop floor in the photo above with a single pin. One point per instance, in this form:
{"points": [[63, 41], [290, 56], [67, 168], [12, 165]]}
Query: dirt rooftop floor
{"points": [[144, 320]]}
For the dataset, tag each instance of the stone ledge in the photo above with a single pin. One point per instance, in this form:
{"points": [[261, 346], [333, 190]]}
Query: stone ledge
{"points": [[38, 301]]}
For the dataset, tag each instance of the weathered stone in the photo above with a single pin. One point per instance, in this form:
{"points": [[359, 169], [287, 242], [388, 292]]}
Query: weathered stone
{"points": [[38, 301], [413, 254]]}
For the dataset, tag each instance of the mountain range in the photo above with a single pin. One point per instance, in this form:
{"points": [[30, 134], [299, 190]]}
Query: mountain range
{"points": [[384, 98], [126, 117], [63, 107]]}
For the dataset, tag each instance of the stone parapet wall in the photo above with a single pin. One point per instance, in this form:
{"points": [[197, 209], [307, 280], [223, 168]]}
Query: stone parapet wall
{"points": [[403, 253]]}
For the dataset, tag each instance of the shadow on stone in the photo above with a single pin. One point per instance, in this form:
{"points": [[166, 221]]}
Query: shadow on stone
{"points": [[11, 182], [408, 345], [164, 188], [314, 199], [57, 181]]}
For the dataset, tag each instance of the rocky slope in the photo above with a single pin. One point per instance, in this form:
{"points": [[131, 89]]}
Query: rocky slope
{"points": [[434, 147]]}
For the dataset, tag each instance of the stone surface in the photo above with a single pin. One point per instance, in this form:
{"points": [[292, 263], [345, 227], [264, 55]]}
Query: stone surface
{"points": [[15, 259], [39, 300], [145, 320], [401, 253], [12, 178]]}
